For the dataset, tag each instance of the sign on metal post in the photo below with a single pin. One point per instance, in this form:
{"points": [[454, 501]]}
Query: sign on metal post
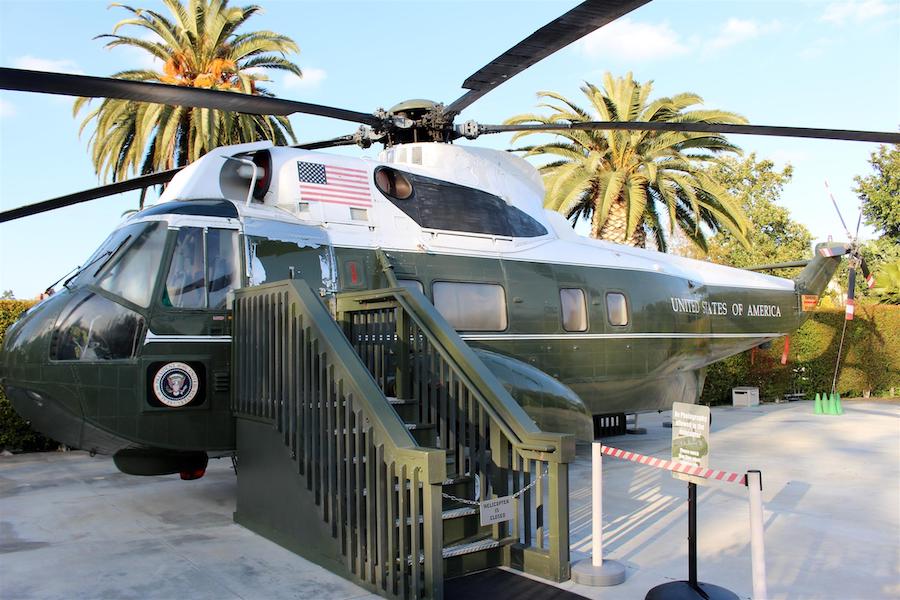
{"points": [[690, 438]]}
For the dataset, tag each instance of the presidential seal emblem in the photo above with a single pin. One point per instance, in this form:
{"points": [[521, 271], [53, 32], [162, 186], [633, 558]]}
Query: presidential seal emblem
{"points": [[176, 384]]}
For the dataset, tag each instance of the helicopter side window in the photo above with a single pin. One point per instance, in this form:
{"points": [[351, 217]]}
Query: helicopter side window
{"points": [[616, 309], [471, 306], [574, 309], [436, 204], [132, 277], [203, 269]]}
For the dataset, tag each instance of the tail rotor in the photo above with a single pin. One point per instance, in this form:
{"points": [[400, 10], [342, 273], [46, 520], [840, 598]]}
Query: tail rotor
{"points": [[856, 261]]}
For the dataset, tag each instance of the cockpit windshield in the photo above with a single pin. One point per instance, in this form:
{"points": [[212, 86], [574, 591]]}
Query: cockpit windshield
{"points": [[127, 263], [132, 276]]}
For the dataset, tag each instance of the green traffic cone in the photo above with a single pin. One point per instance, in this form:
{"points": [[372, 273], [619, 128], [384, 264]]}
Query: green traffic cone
{"points": [[819, 410], [832, 400], [838, 409]]}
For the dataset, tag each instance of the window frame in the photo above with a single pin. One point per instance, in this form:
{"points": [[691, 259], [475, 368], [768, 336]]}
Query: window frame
{"points": [[241, 267], [504, 301], [627, 308], [584, 308]]}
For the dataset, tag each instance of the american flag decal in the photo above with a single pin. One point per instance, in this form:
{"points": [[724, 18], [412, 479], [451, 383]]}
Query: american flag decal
{"points": [[335, 185]]}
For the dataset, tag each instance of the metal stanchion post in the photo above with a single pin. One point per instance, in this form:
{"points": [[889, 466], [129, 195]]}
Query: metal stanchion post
{"points": [[596, 571], [757, 543]]}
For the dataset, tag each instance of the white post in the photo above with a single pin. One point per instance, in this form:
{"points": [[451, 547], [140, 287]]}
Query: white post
{"points": [[597, 571], [757, 544], [597, 503]]}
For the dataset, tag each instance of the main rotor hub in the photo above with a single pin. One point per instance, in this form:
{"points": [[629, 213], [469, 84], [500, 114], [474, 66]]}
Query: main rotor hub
{"points": [[418, 120]]}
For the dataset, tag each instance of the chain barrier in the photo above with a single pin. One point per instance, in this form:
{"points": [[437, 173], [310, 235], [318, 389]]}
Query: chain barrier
{"points": [[514, 496]]}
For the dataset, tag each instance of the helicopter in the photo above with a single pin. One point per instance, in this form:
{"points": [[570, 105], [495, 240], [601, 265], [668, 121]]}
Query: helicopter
{"points": [[131, 357]]}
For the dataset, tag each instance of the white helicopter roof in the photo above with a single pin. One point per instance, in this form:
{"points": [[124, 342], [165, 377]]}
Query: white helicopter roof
{"points": [[359, 215]]}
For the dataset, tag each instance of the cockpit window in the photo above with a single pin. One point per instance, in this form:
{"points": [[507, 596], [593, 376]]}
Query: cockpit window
{"points": [[186, 282], [204, 269], [108, 252], [97, 329], [223, 260], [133, 275]]}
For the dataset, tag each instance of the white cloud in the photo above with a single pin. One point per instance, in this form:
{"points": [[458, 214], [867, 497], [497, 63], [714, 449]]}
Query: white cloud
{"points": [[630, 40], [312, 78], [736, 31], [7, 109], [856, 11], [816, 49], [34, 63]]}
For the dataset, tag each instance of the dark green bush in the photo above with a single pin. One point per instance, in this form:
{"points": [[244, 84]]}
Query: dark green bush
{"points": [[870, 361], [15, 434]]}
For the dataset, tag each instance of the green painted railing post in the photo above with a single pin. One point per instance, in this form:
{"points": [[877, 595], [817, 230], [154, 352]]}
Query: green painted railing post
{"points": [[404, 385], [500, 457], [558, 488], [433, 542]]}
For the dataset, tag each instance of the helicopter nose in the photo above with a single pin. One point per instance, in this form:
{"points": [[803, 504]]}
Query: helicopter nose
{"points": [[40, 393]]}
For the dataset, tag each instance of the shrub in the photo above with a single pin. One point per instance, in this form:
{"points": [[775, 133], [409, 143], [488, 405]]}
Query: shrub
{"points": [[15, 434], [870, 360]]}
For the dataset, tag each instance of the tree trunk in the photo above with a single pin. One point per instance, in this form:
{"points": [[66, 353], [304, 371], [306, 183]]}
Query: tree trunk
{"points": [[615, 228]]}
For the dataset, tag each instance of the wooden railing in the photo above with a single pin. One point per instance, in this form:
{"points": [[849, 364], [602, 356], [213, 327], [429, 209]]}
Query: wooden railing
{"points": [[380, 493], [413, 353]]}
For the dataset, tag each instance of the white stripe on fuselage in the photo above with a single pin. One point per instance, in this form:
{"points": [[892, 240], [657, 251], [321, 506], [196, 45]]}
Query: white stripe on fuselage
{"points": [[155, 338], [483, 337]]}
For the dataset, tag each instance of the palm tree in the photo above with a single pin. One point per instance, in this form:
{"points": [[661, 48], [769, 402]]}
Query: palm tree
{"points": [[199, 46], [625, 181]]}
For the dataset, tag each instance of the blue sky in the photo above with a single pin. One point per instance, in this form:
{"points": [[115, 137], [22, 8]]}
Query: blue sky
{"points": [[801, 63]]}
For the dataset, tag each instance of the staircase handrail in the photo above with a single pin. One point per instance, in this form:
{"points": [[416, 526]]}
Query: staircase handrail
{"points": [[502, 408], [386, 422]]}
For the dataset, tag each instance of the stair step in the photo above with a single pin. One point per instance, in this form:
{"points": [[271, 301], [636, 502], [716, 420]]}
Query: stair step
{"points": [[453, 513], [470, 547], [457, 479], [419, 426], [401, 401], [456, 513]]}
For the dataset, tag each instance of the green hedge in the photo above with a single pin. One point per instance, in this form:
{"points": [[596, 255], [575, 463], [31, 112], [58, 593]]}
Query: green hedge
{"points": [[870, 362], [15, 434]]}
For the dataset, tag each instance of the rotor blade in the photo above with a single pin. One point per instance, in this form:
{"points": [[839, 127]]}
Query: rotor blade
{"points": [[344, 140], [160, 93], [858, 222], [851, 283], [559, 33], [91, 194], [801, 132], [840, 216], [869, 277]]}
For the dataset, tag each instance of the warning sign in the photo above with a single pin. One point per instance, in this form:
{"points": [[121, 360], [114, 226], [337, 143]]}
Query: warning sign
{"points": [[690, 437], [496, 510]]}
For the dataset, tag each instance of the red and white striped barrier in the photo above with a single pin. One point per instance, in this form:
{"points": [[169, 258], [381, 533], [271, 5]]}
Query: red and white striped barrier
{"points": [[671, 465]]}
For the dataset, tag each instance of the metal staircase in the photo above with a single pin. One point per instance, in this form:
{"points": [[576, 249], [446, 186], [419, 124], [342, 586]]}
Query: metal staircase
{"points": [[365, 443]]}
